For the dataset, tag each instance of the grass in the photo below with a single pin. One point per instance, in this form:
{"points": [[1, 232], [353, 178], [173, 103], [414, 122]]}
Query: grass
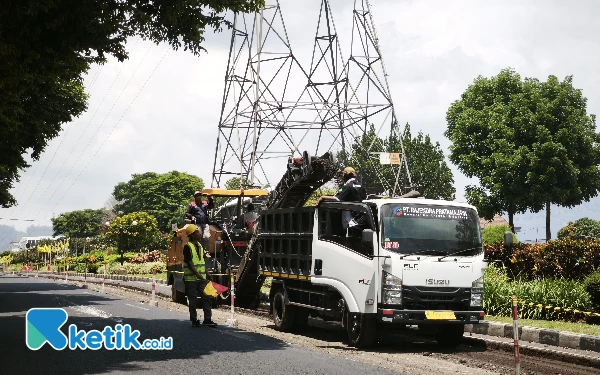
{"points": [[586, 329], [545, 299], [159, 276]]}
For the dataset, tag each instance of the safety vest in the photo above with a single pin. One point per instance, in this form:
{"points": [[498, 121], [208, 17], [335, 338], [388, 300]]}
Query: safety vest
{"points": [[198, 262]]}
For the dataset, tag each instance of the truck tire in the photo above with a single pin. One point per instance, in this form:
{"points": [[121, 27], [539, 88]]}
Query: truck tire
{"points": [[177, 296], [283, 315], [449, 336], [361, 329]]}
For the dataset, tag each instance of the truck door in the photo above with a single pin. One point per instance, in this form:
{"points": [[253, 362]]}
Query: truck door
{"points": [[340, 259]]}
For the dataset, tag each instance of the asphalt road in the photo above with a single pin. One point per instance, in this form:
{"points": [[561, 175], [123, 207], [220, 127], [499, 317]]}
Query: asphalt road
{"points": [[221, 350]]}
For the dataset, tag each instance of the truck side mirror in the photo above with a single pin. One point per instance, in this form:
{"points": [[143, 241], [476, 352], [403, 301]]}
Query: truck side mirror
{"points": [[367, 238]]}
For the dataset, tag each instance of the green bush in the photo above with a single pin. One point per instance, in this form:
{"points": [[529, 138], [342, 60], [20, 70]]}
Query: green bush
{"points": [[136, 268], [567, 258], [495, 234], [582, 227], [592, 286], [547, 299]]}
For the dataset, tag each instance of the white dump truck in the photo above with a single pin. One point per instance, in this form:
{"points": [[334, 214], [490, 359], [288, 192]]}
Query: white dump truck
{"points": [[417, 262]]}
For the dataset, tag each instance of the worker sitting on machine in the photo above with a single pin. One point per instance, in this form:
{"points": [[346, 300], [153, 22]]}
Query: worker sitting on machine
{"points": [[197, 213], [350, 191], [250, 218]]}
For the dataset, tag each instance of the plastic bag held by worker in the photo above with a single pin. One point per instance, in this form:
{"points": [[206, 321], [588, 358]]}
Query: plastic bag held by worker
{"points": [[213, 289]]}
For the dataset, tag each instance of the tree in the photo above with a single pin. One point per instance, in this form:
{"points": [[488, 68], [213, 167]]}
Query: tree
{"points": [[47, 46], [126, 236], [581, 227], [495, 234], [430, 173], [529, 143], [163, 196], [324, 190], [78, 224]]}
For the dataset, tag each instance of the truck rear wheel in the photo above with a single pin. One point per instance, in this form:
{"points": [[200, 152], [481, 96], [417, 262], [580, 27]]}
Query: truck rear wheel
{"points": [[361, 329], [177, 296], [449, 336], [283, 315]]}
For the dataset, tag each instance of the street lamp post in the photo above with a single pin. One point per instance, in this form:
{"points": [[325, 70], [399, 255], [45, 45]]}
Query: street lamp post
{"points": [[86, 241]]}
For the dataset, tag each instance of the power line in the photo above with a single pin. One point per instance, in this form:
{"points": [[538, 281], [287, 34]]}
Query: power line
{"points": [[77, 142], [86, 128], [112, 130], [93, 136]]}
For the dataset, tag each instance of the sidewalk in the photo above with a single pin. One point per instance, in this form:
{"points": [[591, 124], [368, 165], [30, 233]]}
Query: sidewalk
{"points": [[540, 336]]}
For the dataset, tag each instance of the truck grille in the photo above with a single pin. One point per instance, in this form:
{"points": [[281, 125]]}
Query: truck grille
{"points": [[435, 298]]}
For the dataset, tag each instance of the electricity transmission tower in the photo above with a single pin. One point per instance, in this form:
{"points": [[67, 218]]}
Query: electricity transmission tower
{"points": [[277, 103]]}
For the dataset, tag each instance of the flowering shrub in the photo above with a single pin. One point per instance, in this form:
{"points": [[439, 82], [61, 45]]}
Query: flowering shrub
{"points": [[154, 256], [123, 234], [565, 258]]}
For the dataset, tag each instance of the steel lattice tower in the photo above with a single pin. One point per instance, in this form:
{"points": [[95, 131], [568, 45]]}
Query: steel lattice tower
{"points": [[275, 106]]}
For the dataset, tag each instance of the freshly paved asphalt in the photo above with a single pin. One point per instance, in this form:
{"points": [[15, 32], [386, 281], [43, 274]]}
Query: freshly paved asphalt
{"points": [[221, 350]]}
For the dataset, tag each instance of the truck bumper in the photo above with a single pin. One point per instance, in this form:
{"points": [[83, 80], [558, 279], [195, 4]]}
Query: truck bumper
{"points": [[419, 317]]}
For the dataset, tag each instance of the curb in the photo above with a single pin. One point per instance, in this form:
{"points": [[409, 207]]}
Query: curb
{"points": [[538, 335], [108, 277]]}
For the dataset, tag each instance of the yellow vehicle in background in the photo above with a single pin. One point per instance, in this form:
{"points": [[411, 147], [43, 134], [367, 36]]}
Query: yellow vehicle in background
{"points": [[227, 245]]}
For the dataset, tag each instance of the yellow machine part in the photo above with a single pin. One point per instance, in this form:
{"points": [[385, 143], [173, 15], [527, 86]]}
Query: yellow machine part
{"points": [[216, 192], [175, 254], [214, 244]]}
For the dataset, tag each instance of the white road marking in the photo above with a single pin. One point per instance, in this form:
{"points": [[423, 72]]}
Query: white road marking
{"points": [[137, 307], [236, 335], [93, 311]]}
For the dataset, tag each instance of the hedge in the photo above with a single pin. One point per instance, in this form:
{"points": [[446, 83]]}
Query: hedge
{"points": [[565, 258], [546, 299]]}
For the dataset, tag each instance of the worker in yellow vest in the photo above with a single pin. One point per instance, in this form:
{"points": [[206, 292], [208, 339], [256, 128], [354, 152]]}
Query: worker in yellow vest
{"points": [[196, 277]]}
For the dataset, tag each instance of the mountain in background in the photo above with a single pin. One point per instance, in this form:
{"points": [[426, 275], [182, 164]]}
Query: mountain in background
{"points": [[9, 234]]}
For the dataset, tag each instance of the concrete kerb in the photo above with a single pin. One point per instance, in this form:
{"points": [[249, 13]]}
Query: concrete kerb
{"points": [[108, 277], [538, 335]]}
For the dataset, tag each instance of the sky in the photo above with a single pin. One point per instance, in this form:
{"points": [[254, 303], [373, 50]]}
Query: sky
{"points": [[159, 110]]}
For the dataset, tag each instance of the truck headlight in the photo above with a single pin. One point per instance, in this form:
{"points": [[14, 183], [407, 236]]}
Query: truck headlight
{"points": [[477, 292], [391, 289]]}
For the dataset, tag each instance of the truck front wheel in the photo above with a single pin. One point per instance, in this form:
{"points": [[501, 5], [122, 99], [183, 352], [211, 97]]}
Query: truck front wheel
{"points": [[361, 329], [283, 315]]}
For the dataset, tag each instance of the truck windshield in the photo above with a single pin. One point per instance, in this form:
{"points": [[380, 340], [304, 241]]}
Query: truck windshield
{"points": [[423, 228]]}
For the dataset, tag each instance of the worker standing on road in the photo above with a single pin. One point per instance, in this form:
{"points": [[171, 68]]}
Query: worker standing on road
{"points": [[197, 212], [196, 277]]}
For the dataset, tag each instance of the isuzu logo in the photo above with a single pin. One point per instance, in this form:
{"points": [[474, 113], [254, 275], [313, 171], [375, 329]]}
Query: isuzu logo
{"points": [[437, 282]]}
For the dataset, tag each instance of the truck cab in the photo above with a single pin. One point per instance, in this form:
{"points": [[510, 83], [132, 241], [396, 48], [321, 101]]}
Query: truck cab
{"points": [[414, 262]]}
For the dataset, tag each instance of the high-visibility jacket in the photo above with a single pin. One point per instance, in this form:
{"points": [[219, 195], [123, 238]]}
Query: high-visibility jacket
{"points": [[197, 261]]}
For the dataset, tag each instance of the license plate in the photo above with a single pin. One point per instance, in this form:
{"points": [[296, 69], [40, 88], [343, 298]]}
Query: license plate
{"points": [[440, 315]]}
